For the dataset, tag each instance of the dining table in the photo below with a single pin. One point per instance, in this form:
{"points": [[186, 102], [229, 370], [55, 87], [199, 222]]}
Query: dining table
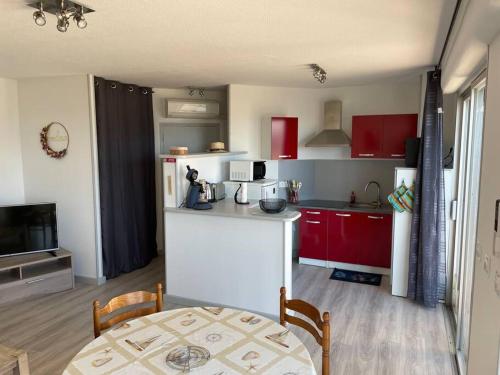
{"points": [[198, 340]]}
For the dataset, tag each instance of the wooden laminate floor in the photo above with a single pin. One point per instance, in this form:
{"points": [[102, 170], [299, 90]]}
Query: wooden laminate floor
{"points": [[372, 332]]}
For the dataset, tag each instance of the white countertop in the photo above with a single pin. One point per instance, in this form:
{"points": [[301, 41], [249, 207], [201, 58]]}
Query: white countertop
{"points": [[228, 208]]}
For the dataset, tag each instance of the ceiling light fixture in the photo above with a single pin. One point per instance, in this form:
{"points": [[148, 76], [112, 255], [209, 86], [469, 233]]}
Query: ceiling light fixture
{"points": [[192, 90], [63, 10], [39, 16], [318, 72]]}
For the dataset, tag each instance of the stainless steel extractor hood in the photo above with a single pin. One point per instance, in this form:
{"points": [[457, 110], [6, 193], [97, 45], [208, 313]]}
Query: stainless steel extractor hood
{"points": [[332, 134]]}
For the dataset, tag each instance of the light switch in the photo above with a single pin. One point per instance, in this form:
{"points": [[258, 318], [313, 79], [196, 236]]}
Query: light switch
{"points": [[479, 251], [283, 184], [497, 283], [487, 264]]}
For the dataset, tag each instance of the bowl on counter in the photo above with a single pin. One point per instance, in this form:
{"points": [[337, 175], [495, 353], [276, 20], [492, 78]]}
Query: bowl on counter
{"points": [[272, 205]]}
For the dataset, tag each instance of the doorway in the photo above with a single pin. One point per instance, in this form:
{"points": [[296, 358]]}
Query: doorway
{"points": [[472, 121]]}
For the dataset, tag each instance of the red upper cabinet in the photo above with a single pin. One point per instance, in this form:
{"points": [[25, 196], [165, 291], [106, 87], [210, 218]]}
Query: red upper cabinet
{"points": [[397, 129], [367, 133], [280, 138], [313, 234], [382, 136]]}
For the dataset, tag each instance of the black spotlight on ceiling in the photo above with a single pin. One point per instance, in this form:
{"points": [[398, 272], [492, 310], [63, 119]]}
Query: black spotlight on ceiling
{"points": [[79, 18], [39, 15], [63, 10]]}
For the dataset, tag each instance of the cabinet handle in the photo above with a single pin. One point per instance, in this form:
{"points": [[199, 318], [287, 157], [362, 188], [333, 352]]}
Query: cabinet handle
{"points": [[343, 215], [313, 212], [285, 156], [398, 155], [376, 217], [313, 222], [366, 154], [169, 185], [34, 281]]}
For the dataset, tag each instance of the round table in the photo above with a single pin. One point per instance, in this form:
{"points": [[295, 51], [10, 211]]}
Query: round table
{"points": [[201, 340]]}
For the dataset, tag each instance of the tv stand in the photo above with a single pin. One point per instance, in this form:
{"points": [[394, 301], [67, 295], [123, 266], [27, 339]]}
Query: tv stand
{"points": [[23, 276]]}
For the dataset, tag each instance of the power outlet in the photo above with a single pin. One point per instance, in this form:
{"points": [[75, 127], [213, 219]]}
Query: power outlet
{"points": [[283, 184], [487, 264]]}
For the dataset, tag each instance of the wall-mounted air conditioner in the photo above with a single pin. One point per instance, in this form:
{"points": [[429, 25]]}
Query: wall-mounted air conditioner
{"points": [[192, 108]]}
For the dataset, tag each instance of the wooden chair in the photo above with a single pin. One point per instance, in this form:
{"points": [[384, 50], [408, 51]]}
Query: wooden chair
{"points": [[323, 325], [125, 300]]}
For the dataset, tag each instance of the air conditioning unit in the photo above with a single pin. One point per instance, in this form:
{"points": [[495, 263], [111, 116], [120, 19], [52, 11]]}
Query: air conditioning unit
{"points": [[187, 108]]}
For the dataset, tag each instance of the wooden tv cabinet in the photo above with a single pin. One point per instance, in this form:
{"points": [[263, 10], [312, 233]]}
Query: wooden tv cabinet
{"points": [[28, 275]]}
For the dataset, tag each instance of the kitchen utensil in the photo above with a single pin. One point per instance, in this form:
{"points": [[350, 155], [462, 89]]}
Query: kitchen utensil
{"points": [[293, 189], [272, 205], [243, 192]]}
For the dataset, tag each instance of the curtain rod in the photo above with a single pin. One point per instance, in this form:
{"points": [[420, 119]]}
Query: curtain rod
{"points": [[448, 34]]}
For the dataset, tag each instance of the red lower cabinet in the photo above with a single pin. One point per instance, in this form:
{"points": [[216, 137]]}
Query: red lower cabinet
{"points": [[346, 237], [343, 239], [376, 239], [313, 234]]}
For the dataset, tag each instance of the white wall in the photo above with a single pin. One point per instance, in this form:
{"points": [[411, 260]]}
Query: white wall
{"points": [[249, 105], [485, 320], [67, 181], [11, 162]]}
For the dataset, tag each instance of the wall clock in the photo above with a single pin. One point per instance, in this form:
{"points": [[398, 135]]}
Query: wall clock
{"points": [[55, 140]]}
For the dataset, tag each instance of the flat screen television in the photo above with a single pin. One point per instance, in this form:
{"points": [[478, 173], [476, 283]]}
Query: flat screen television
{"points": [[28, 228]]}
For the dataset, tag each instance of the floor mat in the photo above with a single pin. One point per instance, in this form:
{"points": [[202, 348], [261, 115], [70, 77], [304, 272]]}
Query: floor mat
{"points": [[356, 277]]}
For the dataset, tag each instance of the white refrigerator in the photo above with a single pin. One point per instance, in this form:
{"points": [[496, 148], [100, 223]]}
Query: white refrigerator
{"points": [[401, 229]]}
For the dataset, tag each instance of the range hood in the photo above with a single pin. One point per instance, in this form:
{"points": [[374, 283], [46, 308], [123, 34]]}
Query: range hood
{"points": [[332, 134]]}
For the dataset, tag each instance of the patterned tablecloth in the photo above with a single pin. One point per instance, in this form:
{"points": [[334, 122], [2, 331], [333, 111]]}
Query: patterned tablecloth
{"points": [[214, 341]]}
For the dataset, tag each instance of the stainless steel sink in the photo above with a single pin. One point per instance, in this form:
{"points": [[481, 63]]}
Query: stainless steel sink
{"points": [[364, 205]]}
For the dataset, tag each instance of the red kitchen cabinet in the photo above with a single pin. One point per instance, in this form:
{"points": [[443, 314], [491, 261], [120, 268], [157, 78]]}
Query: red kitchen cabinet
{"points": [[376, 239], [280, 138], [313, 234], [398, 128], [367, 134], [343, 237], [382, 136]]}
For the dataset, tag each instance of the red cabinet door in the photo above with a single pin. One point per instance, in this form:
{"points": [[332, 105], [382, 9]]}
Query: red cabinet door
{"points": [[367, 136], [313, 234], [284, 137], [398, 128], [376, 240], [343, 237]]}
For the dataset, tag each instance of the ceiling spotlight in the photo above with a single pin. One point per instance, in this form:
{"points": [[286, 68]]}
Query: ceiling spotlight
{"points": [[39, 16], [80, 20], [62, 21], [318, 72], [63, 10]]}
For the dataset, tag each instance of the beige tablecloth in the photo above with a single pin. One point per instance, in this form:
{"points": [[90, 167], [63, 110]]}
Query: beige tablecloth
{"points": [[211, 341]]}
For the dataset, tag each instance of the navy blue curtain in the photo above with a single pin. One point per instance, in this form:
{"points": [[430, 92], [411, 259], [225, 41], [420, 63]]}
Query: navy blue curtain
{"points": [[125, 141], [427, 264]]}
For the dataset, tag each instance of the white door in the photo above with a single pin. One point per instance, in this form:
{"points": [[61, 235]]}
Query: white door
{"points": [[472, 119]]}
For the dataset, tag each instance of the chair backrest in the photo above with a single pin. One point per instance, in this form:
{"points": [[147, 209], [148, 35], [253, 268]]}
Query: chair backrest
{"points": [[322, 330], [126, 300]]}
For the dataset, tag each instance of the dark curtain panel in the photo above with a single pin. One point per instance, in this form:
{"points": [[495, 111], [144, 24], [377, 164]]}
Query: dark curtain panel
{"points": [[125, 140], [427, 268]]}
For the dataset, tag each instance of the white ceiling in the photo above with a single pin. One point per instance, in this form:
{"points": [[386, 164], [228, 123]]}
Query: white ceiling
{"points": [[176, 43]]}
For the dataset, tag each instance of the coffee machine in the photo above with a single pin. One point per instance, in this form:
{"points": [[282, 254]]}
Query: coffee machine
{"points": [[194, 192]]}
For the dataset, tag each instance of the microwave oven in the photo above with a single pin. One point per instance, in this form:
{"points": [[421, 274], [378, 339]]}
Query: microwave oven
{"points": [[247, 170]]}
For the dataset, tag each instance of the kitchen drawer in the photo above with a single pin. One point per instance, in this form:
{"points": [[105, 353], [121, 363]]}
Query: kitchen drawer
{"points": [[314, 214], [43, 284]]}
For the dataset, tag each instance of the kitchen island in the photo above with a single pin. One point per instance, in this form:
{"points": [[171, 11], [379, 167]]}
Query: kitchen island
{"points": [[232, 255]]}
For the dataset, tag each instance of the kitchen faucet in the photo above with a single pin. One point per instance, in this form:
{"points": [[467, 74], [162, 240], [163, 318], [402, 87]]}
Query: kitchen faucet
{"points": [[378, 202]]}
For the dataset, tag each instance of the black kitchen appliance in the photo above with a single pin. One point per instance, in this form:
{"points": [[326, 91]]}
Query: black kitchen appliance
{"points": [[194, 191]]}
